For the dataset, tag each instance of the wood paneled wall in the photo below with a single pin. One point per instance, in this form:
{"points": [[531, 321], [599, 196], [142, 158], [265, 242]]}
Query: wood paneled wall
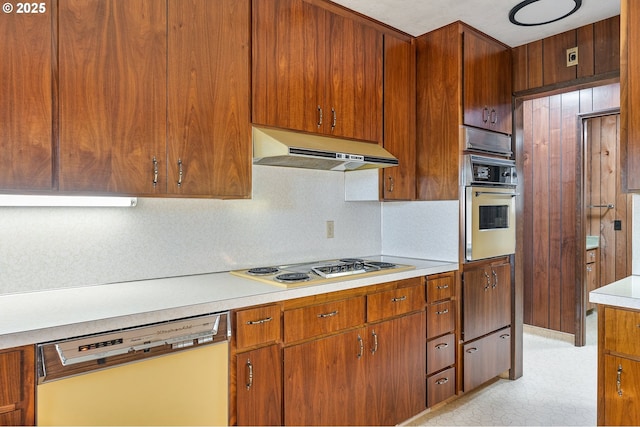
{"points": [[550, 152], [603, 187]]}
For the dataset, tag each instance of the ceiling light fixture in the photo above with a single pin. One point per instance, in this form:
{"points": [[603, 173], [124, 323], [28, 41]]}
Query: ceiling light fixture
{"points": [[19, 200], [540, 18]]}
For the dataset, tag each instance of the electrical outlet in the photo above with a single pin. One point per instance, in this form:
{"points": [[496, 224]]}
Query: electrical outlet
{"points": [[572, 56], [330, 230]]}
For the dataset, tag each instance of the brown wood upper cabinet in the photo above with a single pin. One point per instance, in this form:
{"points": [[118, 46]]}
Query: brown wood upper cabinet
{"points": [[316, 71], [630, 94], [17, 386], [153, 97], [26, 103], [487, 83]]}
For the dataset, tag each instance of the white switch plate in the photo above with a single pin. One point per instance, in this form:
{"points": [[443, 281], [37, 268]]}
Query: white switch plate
{"points": [[572, 56], [330, 230]]}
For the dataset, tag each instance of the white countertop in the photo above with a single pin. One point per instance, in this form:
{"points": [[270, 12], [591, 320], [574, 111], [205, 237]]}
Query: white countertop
{"points": [[624, 293], [33, 317]]}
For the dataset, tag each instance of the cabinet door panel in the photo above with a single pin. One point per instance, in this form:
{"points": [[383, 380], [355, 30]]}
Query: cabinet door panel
{"points": [[113, 84], [208, 93], [288, 52], [26, 102], [486, 300], [621, 401], [354, 80], [259, 391], [486, 358], [324, 379]]}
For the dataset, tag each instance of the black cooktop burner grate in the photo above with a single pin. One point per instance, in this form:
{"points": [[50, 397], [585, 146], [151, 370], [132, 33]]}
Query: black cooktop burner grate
{"points": [[292, 277], [262, 271], [381, 264]]}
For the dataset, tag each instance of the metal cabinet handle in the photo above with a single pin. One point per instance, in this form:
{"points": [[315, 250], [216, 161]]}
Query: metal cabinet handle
{"points": [[589, 269], [375, 342], [399, 299], [259, 322], [249, 374], [441, 346], [485, 114], [360, 346], [442, 287], [180, 173], [505, 336], [445, 311], [391, 185], [325, 315], [619, 381], [488, 285], [319, 116], [493, 116], [334, 118], [472, 350], [442, 381], [495, 278], [155, 171]]}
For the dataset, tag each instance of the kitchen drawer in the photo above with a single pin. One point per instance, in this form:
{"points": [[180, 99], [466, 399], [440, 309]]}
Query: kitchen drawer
{"points": [[257, 326], [440, 287], [395, 302], [441, 386], [486, 358], [591, 255], [316, 320], [622, 331], [440, 319], [441, 352]]}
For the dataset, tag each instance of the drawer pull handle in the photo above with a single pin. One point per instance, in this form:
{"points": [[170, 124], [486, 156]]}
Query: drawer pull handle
{"points": [[375, 342], [180, 173], [360, 346], [472, 350], [488, 285], [155, 171], [505, 336], [249, 374], [442, 345], [324, 315], [445, 311], [259, 322], [442, 381], [319, 116], [442, 287], [402, 298], [495, 279], [619, 381]]}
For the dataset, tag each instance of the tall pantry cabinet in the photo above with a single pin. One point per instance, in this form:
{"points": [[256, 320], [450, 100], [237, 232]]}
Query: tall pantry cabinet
{"points": [[26, 81]]}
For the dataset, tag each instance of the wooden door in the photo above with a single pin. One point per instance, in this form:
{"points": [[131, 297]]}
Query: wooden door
{"points": [[324, 379], [399, 183], [353, 88], [397, 389], [621, 400], [487, 83], [259, 387], [26, 100], [209, 141], [288, 56], [113, 58], [486, 293]]}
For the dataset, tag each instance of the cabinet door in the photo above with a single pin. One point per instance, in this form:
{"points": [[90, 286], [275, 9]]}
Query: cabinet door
{"points": [[17, 386], [112, 72], [486, 358], [486, 299], [288, 48], [399, 183], [353, 88], [487, 83], [208, 98], [324, 379], [26, 102], [621, 391], [259, 387], [397, 389]]}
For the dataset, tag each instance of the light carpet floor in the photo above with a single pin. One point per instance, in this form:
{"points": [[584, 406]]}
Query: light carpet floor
{"points": [[558, 387]]}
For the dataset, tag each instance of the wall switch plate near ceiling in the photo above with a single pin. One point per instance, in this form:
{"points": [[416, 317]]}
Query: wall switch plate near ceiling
{"points": [[572, 56]]}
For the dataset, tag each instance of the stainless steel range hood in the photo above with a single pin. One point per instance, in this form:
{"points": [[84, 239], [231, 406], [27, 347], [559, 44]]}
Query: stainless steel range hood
{"points": [[285, 148]]}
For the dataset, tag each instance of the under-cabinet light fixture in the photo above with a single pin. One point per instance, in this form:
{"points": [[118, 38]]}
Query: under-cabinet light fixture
{"points": [[65, 201]]}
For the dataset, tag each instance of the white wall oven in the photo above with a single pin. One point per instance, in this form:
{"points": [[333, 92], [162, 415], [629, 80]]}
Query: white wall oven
{"points": [[490, 213]]}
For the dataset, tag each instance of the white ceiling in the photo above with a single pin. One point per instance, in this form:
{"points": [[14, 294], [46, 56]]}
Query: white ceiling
{"points": [[417, 17]]}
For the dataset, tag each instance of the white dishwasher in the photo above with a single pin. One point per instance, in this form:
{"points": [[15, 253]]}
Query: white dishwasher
{"points": [[171, 373]]}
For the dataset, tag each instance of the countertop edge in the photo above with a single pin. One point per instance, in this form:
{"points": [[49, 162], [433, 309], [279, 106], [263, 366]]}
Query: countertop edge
{"points": [[213, 292], [624, 293]]}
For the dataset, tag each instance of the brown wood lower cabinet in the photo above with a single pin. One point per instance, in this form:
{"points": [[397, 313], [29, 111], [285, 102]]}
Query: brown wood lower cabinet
{"points": [[17, 386], [441, 386], [259, 387], [486, 358]]}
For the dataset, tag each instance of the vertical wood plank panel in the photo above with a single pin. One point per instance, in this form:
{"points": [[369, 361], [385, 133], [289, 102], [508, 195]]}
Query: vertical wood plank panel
{"points": [[555, 210], [528, 211], [606, 97], [541, 216], [534, 60], [608, 162]]}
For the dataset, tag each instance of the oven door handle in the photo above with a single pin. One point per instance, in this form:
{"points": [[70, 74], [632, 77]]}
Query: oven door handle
{"points": [[496, 193]]}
